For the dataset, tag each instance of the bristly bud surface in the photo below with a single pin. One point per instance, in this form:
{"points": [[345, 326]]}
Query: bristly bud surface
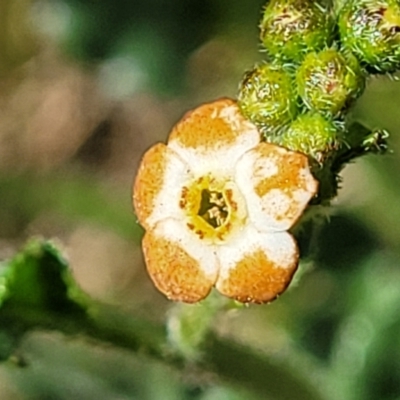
{"points": [[313, 135], [328, 82], [371, 30], [267, 97], [292, 28]]}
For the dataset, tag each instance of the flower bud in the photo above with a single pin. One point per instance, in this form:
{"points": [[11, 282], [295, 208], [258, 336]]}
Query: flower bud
{"points": [[312, 135], [328, 82], [267, 97], [292, 28], [371, 30]]}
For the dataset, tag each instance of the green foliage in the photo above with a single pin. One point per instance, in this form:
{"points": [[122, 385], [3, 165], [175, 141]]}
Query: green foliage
{"points": [[37, 278], [40, 294], [36, 283]]}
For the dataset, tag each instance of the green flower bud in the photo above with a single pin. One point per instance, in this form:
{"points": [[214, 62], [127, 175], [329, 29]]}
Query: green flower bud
{"points": [[328, 82], [292, 28], [267, 97], [371, 30], [313, 135]]}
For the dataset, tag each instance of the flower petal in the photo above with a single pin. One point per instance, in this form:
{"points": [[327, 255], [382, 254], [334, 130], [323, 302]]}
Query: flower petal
{"points": [[277, 185], [213, 137], [158, 185], [180, 265], [257, 267]]}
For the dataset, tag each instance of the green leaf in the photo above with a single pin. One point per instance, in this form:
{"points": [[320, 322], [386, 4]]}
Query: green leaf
{"points": [[38, 278], [38, 293], [36, 290]]}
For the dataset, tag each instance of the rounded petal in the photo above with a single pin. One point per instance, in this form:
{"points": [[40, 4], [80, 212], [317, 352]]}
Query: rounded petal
{"points": [[277, 185], [158, 185], [180, 265], [213, 137], [257, 267]]}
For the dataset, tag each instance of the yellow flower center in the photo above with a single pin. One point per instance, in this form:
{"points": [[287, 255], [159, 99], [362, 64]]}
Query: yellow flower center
{"points": [[212, 207]]}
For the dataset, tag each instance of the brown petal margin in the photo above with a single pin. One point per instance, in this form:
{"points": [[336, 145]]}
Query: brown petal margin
{"points": [[177, 274], [217, 123], [256, 278], [160, 167]]}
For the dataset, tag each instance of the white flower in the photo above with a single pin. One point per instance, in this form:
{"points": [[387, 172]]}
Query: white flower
{"points": [[216, 204]]}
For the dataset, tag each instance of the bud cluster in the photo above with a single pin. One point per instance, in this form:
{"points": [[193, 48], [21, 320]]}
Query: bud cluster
{"points": [[316, 65]]}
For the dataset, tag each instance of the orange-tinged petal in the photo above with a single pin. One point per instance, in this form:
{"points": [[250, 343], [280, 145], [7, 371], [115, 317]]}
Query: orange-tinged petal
{"points": [[213, 137], [180, 265], [158, 185], [277, 185], [257, 267]]}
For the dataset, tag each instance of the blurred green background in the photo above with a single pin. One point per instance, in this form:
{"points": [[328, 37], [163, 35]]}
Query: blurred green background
{"points": [[85, 88]]}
